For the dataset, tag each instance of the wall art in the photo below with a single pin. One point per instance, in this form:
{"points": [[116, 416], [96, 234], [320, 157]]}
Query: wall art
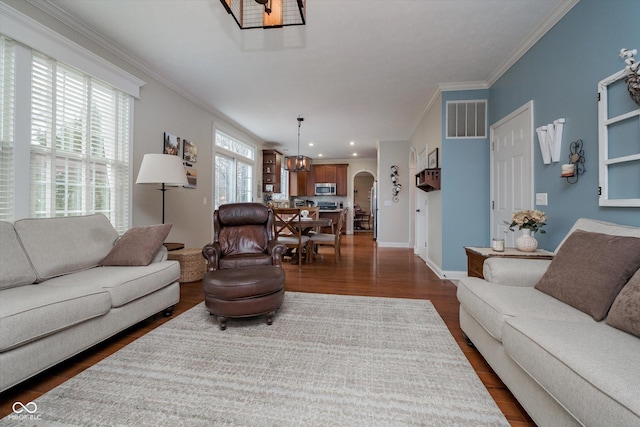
{"points": [[189, 151], [192, 177], [172, 144], [432, 160]]}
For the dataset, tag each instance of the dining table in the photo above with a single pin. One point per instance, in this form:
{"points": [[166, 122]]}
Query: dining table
{"points": [[306, 226]]}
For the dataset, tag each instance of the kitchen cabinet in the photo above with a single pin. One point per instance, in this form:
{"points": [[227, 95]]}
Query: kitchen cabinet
{"points": [[271, 170], [298, 184], [324, 173], [334, 173], [341, 180]]}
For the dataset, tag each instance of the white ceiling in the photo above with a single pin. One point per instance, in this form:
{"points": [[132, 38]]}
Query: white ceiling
{"points": [[360, 70]]}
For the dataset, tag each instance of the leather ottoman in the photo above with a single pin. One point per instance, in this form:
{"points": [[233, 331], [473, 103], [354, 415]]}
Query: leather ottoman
{"points": [[244, 292]]}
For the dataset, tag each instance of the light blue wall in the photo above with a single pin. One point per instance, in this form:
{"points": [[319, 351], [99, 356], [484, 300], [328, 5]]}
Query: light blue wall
{"points": [[465, 189], [560, 73]]}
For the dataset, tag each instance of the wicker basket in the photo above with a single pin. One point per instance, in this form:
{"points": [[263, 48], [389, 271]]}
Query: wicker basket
{"points": [[192, 264]]}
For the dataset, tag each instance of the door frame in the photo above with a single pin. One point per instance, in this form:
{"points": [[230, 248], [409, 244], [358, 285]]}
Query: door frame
{"points": [[523, 109], [351, 198]]}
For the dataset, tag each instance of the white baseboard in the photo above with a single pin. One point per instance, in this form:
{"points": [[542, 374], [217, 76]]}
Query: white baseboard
{"points": [[445, 274], [392, 244]]}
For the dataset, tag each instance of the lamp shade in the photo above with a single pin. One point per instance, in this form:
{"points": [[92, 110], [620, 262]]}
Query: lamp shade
{"points": [[162, 169]]}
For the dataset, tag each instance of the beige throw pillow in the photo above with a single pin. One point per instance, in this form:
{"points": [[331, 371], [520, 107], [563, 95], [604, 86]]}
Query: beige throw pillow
{"points": [[137, 246], [625, 311], [590, 269]]}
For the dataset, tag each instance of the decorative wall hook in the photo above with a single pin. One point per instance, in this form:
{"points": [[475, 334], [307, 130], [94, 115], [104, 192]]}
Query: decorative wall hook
{"points": [[575, 167], [550, 139]]}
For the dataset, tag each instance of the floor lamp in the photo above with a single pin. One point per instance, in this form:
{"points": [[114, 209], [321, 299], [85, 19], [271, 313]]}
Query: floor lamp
{"points": [[162, 169]]}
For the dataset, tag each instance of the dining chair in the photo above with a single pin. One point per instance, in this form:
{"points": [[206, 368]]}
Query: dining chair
{"points": [[326, 239], [288, 231], [314, 213]]}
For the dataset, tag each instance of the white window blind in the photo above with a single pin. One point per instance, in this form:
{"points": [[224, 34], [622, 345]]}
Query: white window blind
{"points": [[7, 106], [80, 131]]}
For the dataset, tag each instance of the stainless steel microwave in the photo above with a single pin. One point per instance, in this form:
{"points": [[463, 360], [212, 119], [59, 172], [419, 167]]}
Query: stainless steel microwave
{"points": [[325, 189]]}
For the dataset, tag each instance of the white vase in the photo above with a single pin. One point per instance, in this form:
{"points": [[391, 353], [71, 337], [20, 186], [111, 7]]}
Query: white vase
{"points": [[526, 242]]}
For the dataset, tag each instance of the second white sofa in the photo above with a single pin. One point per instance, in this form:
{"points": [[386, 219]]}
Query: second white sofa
{"points": [[564, 367]]}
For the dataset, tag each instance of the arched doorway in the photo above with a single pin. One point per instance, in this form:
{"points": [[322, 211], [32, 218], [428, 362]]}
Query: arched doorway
{"points": [[363, 218]]}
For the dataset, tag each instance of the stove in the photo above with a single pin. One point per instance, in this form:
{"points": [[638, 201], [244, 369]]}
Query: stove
{"points": [[328, 206]]}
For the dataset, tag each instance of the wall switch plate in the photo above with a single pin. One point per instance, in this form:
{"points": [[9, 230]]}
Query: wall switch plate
{"points": [[541, 199]]}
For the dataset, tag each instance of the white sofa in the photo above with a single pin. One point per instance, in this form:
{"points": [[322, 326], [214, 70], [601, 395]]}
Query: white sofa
{"points": [[564, 367], [55, 298]]}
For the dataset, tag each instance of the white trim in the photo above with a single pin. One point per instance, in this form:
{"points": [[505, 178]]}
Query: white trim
{"points": [[393, 245], [445, 87], [554, 17], [31, 33], [454, 275], [53, 10], [426, 109]]}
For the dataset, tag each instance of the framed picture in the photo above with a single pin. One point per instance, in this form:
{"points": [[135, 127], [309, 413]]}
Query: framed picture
{"points": [[192, 177], [189, 151], [171, 144], [432, 160]]}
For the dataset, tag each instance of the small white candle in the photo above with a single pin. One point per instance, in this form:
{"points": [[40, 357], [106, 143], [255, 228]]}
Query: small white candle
{"points": [[498, 245]]}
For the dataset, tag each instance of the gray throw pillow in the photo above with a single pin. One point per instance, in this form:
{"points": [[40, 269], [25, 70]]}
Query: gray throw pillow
{"points": [[625, 311], [137, 246], [590, 269]]}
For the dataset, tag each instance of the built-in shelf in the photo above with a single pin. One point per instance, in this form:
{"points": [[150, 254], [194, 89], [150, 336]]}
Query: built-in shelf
{"points": [[428, 179]]}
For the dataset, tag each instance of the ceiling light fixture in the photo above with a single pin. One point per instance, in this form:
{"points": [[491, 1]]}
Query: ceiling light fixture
{"points": [[298, 163], [266, 13]]}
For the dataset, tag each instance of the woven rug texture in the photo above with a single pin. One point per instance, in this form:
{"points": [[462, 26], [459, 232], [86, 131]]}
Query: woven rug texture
{"points": [[327, 360]]}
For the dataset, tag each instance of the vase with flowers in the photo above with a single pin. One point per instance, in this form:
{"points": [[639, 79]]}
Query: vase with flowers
{"points": [[530, 222]]}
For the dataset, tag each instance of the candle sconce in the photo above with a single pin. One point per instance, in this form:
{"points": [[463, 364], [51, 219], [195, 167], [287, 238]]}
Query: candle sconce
{"points": [[575, 167]]}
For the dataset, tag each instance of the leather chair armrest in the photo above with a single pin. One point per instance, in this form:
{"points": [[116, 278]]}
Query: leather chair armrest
{"points": [[211, 253], [276, 249]]}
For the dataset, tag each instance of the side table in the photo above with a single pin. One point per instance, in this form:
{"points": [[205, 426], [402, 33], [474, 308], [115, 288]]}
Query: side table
{"points": [[192, 264], [477, 255]]}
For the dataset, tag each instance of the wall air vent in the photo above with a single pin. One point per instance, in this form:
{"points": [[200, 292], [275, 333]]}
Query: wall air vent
{"points": [[467, 119]]}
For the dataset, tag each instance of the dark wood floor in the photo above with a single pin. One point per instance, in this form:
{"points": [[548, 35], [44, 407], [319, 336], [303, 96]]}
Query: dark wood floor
{"points": [[363, 270]]}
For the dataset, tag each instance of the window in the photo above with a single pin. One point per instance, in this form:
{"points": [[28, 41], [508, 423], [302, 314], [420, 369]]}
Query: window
{"points": [[7, 64], [467, 119], [234, 165], [79, 129], [284, 185]]}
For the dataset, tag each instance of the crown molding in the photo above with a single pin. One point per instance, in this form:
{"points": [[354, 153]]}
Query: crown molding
{"points": [[552, 19], [29, 32], [444, 87], [56, 12]]}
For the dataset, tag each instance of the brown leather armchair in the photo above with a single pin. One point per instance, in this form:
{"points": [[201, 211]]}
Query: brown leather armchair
{"points": [[243, 236], [244, 264]]}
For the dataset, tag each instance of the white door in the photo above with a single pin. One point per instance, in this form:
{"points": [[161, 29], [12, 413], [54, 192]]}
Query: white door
{"points": [[420, 245], [511, 170]]}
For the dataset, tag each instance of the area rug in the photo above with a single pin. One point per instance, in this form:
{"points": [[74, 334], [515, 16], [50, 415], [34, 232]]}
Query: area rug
{"points": [[327, 360]]}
